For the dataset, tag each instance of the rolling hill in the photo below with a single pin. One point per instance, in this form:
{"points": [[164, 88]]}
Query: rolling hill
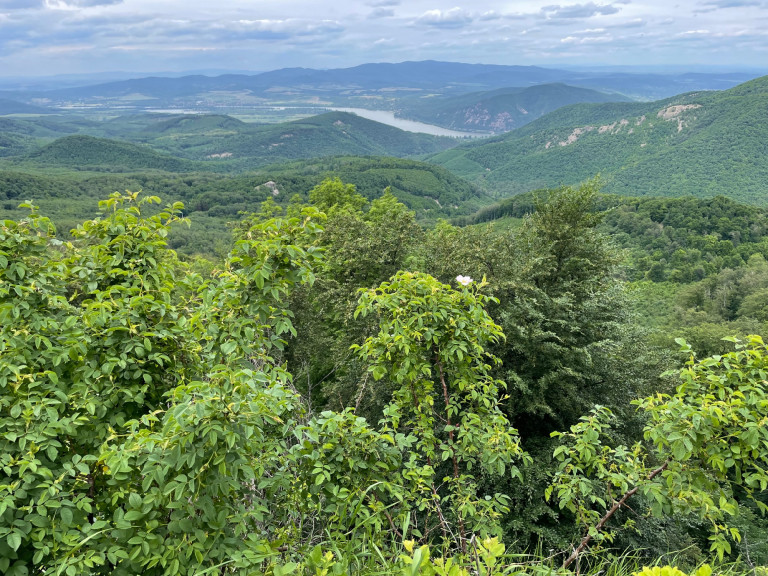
{"points": [[163, 125], [217, 143], [81, 152], [220, 139], [431, 191], [701, 144], [20, 135]]}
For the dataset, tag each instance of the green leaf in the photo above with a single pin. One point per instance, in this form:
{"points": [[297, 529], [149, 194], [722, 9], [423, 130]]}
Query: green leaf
{"points": [[288, 568], [14, 540], [66, 516], [229, 347], [415, 566]]}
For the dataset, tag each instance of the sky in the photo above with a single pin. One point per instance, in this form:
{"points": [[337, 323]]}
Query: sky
{"points": [[44, 37]]}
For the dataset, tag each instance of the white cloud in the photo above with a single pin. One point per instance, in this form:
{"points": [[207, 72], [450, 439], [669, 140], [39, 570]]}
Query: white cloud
{"points": [[77, 4], [634, 23], [44, 35], [578, 10], [453, 18], [280, 28], [490, 15], [587, 39]]}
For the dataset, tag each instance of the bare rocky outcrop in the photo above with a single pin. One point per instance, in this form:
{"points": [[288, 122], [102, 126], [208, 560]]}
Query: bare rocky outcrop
{"points": [[674, 113], [575, 135], [272, 186]]}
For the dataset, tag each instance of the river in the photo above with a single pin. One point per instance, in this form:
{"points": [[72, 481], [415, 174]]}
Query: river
{"points": [[387, 117]]}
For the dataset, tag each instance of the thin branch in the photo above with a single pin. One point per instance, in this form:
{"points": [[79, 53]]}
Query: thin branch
{"points": [[447, 398], [389, 518], [601, 524]]}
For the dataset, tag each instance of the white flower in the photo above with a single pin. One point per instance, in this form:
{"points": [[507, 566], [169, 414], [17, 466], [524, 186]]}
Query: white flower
{"points": [[464, 280]]}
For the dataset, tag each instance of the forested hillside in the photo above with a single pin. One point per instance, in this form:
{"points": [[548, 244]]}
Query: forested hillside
{"points": [[249, 145], [213, 199], [94, 154], [504, 109], [700, 144], [697, 267]]}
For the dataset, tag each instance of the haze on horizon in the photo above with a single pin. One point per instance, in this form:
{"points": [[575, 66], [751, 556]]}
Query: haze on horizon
{"points": [[44, 37]]}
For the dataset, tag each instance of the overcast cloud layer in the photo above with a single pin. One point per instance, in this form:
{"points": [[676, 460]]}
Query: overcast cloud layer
{"points": [[77, 36]]}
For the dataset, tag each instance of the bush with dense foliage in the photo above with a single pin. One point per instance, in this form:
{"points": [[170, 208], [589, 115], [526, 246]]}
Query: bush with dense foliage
{"points": [[150, 422]]}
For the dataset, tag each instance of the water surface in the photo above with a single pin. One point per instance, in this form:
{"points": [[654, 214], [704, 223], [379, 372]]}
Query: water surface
{"points": [[387, 117]]}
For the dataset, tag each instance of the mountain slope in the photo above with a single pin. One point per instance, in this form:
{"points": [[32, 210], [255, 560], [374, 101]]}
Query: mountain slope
{"points": [[503, 109], [194, 123], [425, 75], [702, 143]]}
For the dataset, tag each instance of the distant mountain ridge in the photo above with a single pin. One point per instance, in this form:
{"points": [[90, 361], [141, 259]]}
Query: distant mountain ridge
{"points": [[427, 74], [377, 84], [701, 143], [14, 107]]}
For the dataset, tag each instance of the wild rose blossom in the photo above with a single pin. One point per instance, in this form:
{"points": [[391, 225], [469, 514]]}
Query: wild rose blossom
{"points": [[464, 280]]}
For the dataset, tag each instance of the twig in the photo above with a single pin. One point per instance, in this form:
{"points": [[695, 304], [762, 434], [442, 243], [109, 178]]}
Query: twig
{"points": [[447, 399], [616, 505], [473, 541]]}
